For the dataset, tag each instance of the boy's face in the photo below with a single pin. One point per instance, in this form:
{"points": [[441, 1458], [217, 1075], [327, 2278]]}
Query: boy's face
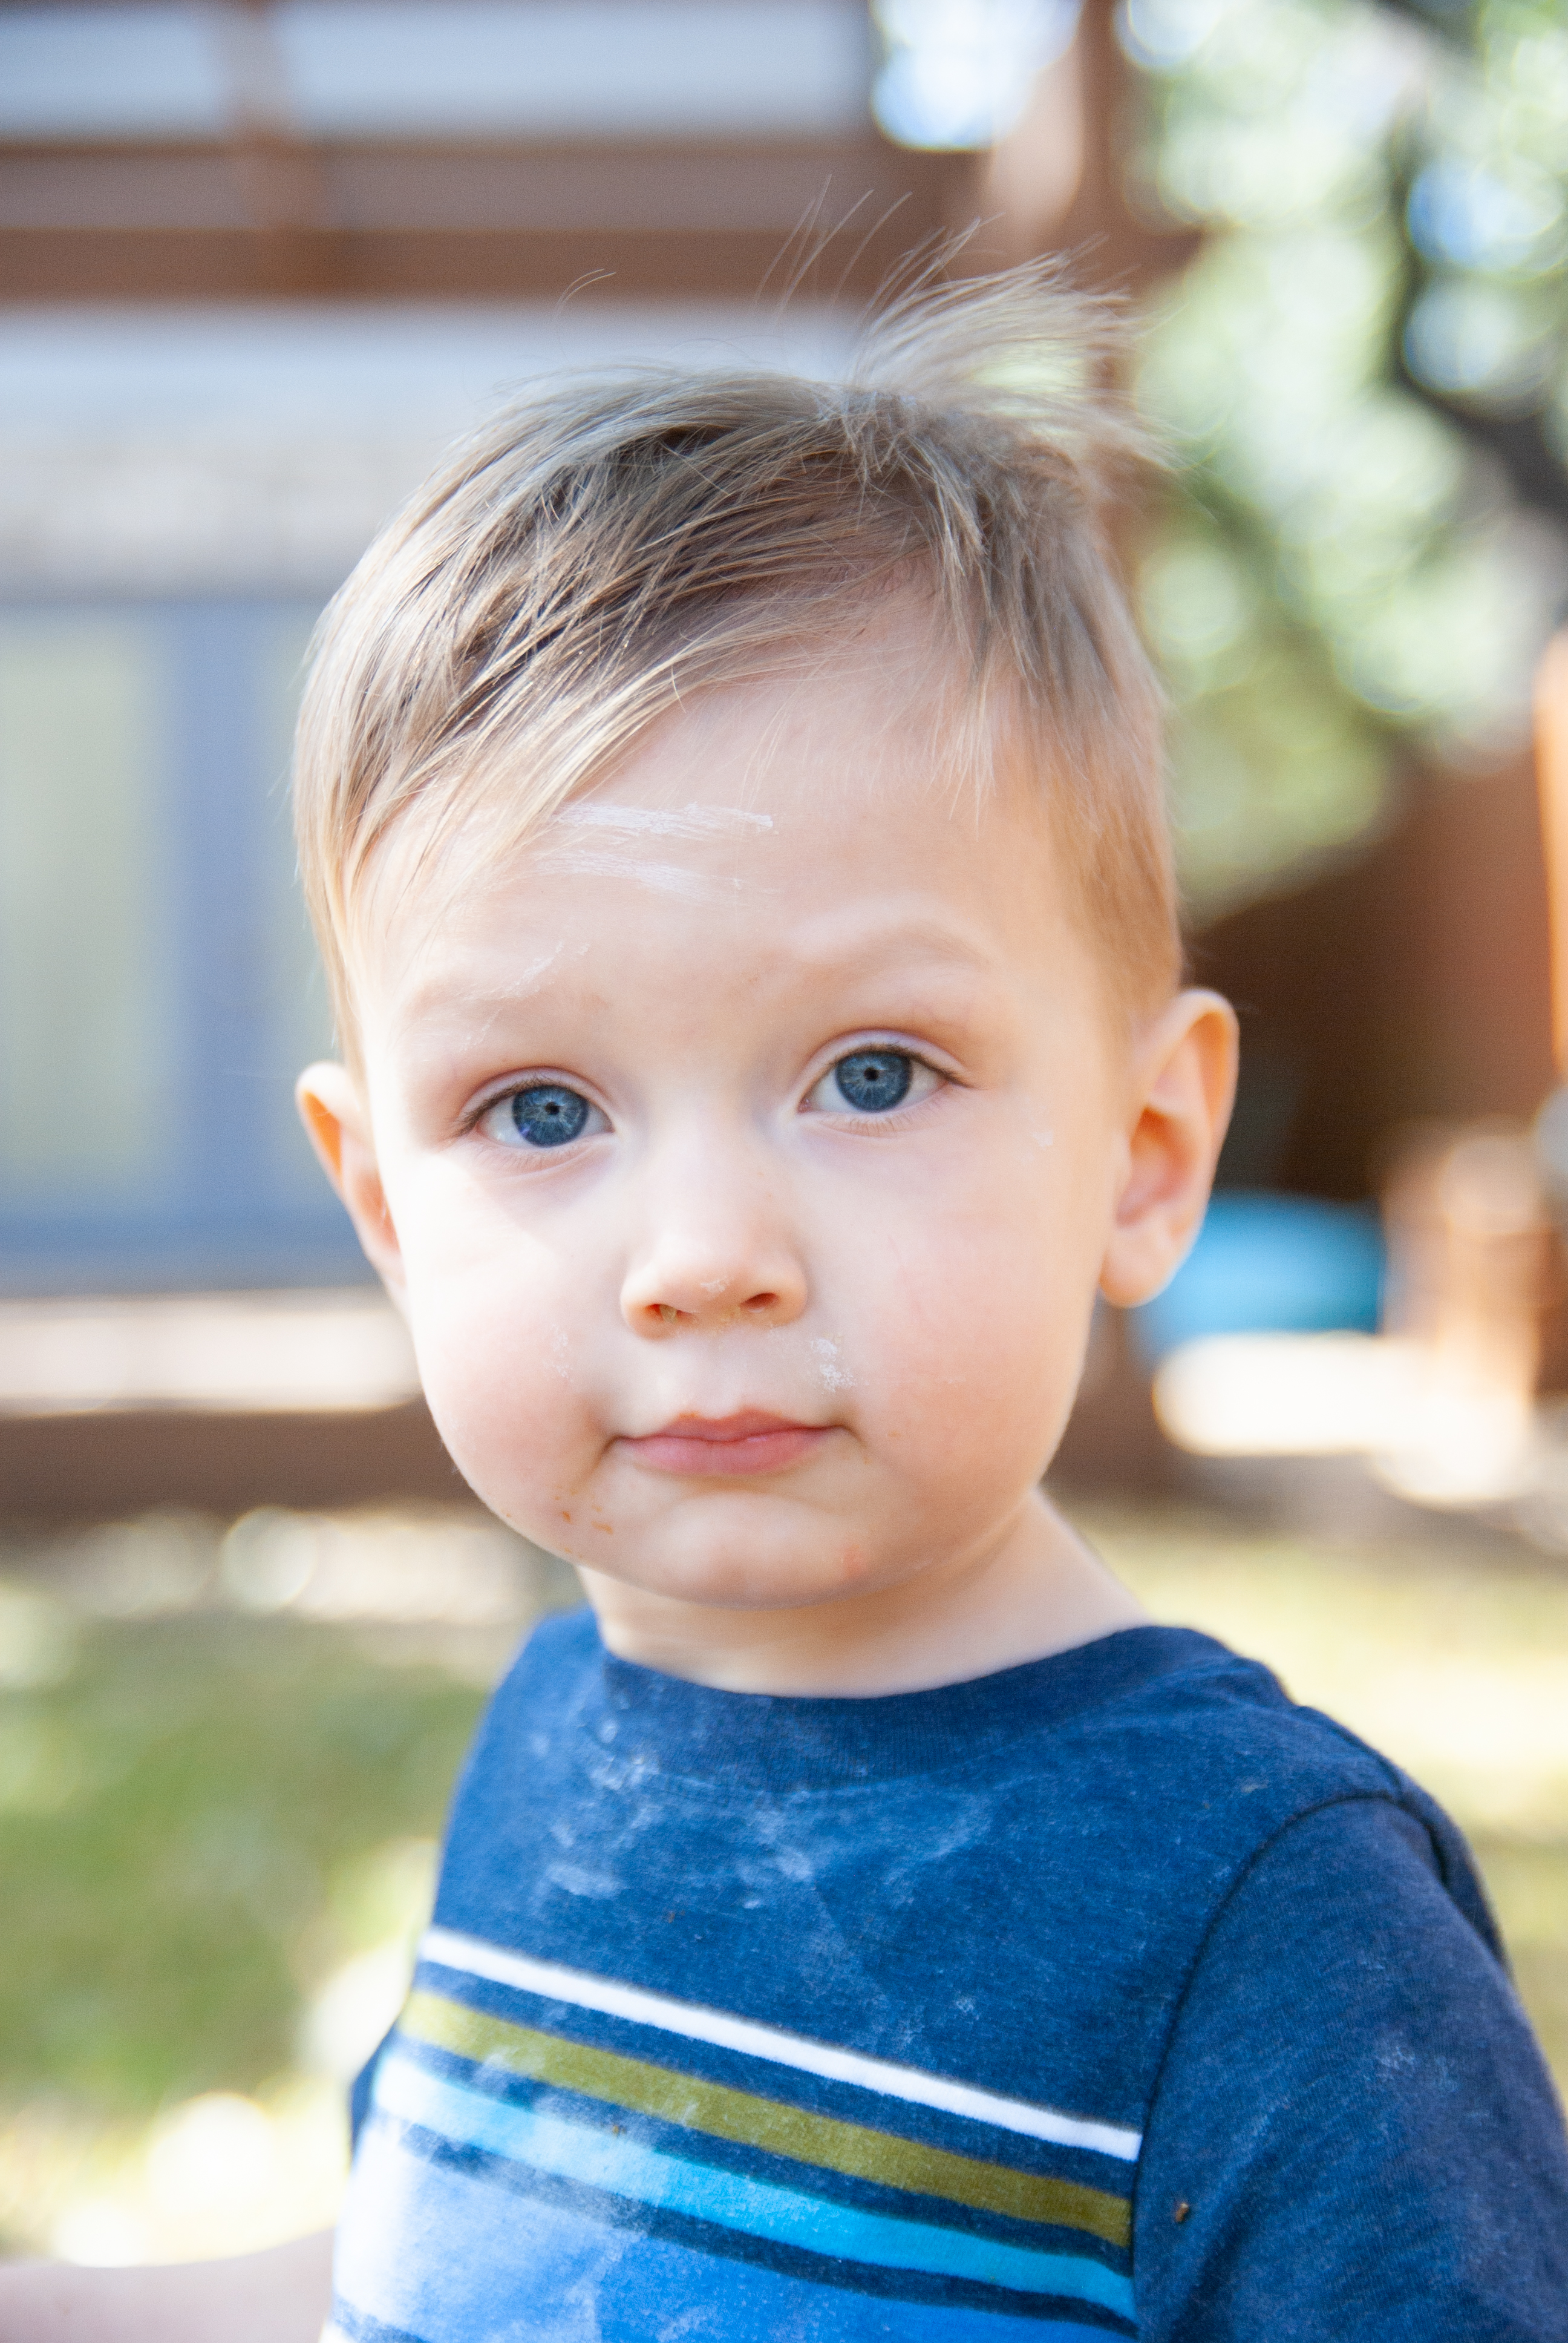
{"points": [[748, 1151]]}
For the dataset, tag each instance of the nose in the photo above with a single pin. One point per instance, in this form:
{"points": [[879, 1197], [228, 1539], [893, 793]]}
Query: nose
{"points": [[715, 1252]]}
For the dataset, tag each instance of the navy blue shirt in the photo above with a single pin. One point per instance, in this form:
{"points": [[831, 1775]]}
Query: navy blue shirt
{"points": [[1112, 1994]]}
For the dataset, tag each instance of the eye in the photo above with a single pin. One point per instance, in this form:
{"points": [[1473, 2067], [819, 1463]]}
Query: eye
{"points": [[545, 1114], [873, 1081]]}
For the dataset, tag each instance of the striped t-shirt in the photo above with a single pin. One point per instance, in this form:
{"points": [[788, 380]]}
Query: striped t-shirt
{"points": [[1108, 1996]]}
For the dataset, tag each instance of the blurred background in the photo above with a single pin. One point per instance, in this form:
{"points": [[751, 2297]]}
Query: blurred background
{"points": [[259, 264]]}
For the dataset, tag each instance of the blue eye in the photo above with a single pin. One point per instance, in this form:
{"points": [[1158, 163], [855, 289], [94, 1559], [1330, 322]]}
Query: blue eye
{"points": [[873, 1081], [549, 1115]]}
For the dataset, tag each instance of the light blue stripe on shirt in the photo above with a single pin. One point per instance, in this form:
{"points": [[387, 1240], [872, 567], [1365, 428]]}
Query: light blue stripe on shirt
{"points": [[502, 2262], [625, 2168]]}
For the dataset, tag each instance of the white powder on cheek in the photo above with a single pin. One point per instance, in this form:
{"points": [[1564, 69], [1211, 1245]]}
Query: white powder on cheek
{"points": [[1037, 1122], [830, 1374]]}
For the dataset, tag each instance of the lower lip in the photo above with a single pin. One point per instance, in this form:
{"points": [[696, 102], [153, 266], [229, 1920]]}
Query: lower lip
{"points": [[725, 1459]]}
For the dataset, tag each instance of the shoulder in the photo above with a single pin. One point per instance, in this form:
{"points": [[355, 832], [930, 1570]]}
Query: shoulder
{"points": [[1352, 2132], [1206, 1745], [1197, 1768], [1241, 1760]]}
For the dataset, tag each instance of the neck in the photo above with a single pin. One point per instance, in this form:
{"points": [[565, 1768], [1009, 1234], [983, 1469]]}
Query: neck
{"points": [[1032, 1589]]}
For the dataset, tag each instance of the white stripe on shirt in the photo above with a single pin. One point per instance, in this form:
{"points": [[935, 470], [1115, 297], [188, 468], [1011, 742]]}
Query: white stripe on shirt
{"points": [[473, 1957]]}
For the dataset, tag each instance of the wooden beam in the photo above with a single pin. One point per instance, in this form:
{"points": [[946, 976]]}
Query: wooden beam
{"points": [[241, 220], [116, 1462]]}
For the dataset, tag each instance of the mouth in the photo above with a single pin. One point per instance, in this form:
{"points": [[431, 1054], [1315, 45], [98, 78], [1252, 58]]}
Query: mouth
{"points": [[709, 1448]]}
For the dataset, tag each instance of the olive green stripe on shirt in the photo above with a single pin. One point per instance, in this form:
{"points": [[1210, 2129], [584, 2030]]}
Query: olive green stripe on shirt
{"points": [[768, 2123]]}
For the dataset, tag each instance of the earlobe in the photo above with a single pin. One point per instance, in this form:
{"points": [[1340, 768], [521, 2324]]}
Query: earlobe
{"points": [[323, 1122], [1186, 1081], [331, 1108], [333, 1111]]}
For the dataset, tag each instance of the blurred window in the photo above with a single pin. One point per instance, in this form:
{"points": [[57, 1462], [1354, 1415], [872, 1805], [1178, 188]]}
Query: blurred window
{"points": [[158, 990], [84, 1056]]}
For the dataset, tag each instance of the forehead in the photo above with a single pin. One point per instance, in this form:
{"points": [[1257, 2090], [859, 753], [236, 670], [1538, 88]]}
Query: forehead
{"points": [[832, 819]]}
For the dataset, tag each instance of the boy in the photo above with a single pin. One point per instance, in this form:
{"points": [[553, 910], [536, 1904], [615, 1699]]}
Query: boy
{"points": [[731, 811]]}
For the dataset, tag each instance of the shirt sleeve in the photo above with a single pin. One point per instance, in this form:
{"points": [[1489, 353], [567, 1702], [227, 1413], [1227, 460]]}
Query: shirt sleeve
{"points": [[1354, 2135]]}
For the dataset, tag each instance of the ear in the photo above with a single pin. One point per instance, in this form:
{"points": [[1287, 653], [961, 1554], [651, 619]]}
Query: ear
{"points": [[331, 1109], [1184, 1084]]}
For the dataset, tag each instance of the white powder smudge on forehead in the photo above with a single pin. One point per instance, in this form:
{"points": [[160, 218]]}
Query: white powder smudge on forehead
{"points": [[619, 833], [646, 821], [664, 878]]}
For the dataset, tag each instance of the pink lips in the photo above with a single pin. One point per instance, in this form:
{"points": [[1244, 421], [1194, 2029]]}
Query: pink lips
{"points": [[705, 1447]]}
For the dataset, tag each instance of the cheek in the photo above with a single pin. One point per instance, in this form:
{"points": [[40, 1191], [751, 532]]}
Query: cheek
{"points": [[973, 1336], [500, 1329]]}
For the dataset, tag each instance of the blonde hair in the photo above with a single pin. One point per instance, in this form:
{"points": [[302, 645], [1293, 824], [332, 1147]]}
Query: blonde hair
{"points": [[613, 542]]}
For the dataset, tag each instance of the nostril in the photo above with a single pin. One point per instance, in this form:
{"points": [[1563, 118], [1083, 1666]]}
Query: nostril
{"points": [[760, 1302]]}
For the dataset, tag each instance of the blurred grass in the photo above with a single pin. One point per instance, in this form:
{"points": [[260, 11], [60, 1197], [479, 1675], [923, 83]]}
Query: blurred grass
{"points": [[176, 1821], [207, 1818], [202, 1820]]}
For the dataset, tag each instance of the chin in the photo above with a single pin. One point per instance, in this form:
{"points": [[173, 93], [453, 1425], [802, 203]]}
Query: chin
{"points": [[762, 1569]]}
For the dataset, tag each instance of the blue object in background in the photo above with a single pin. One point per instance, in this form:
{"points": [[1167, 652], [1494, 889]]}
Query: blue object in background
{"points": [[1269, 1264]]}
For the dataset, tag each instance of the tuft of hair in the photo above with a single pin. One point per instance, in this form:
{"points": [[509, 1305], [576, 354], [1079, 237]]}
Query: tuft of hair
{"points": [[615, 542]]}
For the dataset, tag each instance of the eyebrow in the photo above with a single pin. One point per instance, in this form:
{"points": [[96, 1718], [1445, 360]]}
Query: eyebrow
{"points": [[933, 942], [412, 1006]]}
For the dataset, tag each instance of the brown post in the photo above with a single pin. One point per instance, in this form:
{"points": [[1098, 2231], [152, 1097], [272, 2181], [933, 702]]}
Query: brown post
{"points": [[1551, 774]]}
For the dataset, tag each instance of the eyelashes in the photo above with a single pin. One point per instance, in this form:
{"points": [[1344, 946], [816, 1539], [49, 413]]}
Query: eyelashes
{"points": [[868, 1083]]}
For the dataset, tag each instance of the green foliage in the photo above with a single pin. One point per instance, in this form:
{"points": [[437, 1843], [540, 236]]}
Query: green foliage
{"points": [[1386, 217], [1488, 214]]}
